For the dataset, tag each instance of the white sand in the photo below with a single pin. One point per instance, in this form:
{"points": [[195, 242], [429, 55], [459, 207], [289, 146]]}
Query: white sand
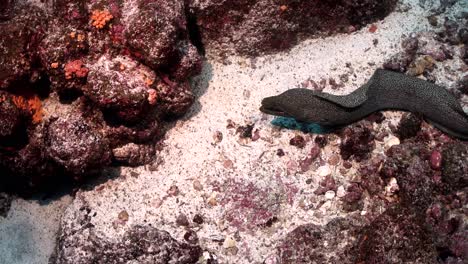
{"points": [[230, 92]]}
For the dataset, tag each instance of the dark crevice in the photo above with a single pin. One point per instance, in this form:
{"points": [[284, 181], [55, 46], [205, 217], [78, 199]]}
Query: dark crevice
{"points": [[69, 96], [444, 253], [18, 140], [194, 31]]}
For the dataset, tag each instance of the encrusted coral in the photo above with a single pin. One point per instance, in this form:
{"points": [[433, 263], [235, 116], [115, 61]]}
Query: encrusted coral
{"points": [[76, 144], [31, 105], [122, 85], [75, 69], [20, 35], [11, 115], [99, 18], [119, 81]]}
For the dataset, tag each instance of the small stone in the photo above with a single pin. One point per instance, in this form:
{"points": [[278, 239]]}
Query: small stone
{"points": [[334, 160], [347, 165], [398, 62], [314, 152], [305, 164], [191, 237], [212, 200], [462, 85], [327, 184], [217, 137], [228, 164], [409, 126], [373, 28], [232, 251], [182, 220], [324, 171], [245, 131], [123, 216], [256, 135], [246, 94], [329, 195], [229, 242], [433, 21], [298, 141], [392, 186], [436, 160], [230, 124], [173, 190], [292, 166], [410, 45], [157, 202], [280, 152], [420, 65], [198, 219], [340, 192], [391, 141], [197, 185]]}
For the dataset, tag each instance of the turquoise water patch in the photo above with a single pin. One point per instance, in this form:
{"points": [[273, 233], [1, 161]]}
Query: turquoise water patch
{"points": [[291, 123]]}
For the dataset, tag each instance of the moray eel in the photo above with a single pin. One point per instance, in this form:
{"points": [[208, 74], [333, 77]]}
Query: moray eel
{"points": [[386, 90]]}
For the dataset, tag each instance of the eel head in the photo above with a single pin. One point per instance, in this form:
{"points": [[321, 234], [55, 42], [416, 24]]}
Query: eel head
{"points": [[301, 104], [284, 104]]}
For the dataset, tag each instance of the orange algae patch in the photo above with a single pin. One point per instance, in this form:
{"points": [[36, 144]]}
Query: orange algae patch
{"points": [[149, 81], [30, 104], [99, 18], [75, 68], [80, 37]]}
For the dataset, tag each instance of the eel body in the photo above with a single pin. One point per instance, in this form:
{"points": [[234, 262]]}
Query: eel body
{"points": [[386, 90]]}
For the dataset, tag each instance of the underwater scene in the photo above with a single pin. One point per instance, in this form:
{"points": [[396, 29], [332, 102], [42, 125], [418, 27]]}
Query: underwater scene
{"points": [[233, 131]]}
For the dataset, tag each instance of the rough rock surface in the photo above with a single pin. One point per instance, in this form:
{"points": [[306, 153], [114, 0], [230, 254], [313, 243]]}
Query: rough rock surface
{"points": [[5, 203], [397, 236], [76, 145], [266, 26], [123, 65], [229, 183], [139, 244], [313, 244]]}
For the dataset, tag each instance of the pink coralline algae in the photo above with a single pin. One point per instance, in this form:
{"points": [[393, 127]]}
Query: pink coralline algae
{"points": [[249, 206]]}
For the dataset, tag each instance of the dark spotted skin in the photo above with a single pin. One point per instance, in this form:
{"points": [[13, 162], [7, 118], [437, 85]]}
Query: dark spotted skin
{"points": [[386, 90]]}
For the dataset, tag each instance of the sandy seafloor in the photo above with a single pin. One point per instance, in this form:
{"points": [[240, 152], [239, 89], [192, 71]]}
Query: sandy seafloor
{"points": [[191, 157]]}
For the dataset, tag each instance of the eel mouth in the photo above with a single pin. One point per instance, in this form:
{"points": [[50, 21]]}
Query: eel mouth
{"points": [[268, 107], [272, 111]]}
